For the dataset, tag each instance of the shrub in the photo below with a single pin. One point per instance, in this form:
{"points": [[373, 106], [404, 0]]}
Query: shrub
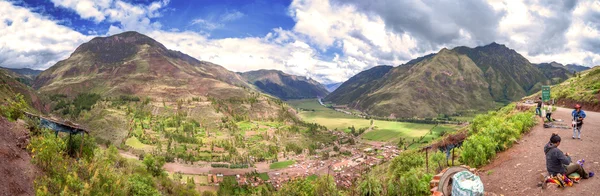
{"points": [[219, 165], [13, 109], [154, 164]]}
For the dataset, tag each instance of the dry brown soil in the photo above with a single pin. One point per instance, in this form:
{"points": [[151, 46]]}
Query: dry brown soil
{"points": [[16, 171]]}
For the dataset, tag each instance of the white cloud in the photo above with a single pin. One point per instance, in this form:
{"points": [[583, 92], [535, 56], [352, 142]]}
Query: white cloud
{"points": [[32, 40], [362, 34], [231, 16], [210, 23], [206, 24]]}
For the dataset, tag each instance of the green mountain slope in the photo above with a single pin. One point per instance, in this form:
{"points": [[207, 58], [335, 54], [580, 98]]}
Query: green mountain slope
{"points": [[554, 71], [446, 82], [583, 89], [10, 85], [24, 75], [509, 74], [107, 78], [576, 68], [358, 85], [285, 86]]}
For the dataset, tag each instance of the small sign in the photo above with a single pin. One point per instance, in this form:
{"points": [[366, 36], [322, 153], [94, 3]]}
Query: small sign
{"points": [[545, 93]]}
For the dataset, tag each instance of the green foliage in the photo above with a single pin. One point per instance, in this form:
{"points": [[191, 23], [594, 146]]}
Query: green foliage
{"points": [[219, 165], [13, 109], [154, 164], [325, 186], [282, 164], [494, 132], [299, 187], [83, 102], [101, 172], [370, 186], [142, 186], [415, 182]]}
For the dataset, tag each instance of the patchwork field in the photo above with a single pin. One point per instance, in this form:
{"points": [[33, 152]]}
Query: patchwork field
{"points": [[281, 164], [387, 131]]}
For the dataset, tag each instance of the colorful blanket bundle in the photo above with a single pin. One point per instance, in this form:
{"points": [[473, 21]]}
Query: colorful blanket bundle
{"points": [[560, 180]]}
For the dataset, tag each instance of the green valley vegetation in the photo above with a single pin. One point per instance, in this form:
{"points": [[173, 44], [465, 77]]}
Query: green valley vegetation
{"points": [[389, 130], [282, 164], [97, 171]]}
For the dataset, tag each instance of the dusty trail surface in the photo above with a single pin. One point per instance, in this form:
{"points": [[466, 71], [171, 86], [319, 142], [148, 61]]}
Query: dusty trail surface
{"points": [[516, 171], [16, 171]]}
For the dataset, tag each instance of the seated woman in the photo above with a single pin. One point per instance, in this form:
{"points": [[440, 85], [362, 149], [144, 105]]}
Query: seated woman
{"points": [[559, 163]]}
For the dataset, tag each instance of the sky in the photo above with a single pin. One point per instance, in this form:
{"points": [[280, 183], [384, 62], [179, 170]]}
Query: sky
{"points": [[327, 40]]}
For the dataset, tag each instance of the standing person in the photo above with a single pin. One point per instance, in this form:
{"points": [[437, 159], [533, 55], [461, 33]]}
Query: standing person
{"points": [[549, 112], [538, 109], [578, 116]]}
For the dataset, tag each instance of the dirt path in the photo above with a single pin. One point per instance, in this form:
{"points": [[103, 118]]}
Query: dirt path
{"points": [[516, 171], [16, 170]]}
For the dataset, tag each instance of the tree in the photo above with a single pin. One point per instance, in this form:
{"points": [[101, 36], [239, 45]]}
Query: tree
{"points": [[325, 186], [208, 193], [370, 186], [154, 164], [300, 187], [142, 185]]}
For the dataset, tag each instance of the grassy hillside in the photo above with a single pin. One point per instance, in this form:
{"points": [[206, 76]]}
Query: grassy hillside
{"points": [[446, 83], [133, 70], [554, 71], [285, 86], [358, 85], [24, 75], [11, 86], [583, 89], [510, 76]]}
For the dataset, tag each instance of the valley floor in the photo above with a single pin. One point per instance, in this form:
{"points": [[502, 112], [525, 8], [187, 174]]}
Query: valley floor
{"points": [[517, 170]]}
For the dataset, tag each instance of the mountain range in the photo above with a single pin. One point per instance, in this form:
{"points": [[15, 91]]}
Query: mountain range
{"points": [[285, 86], [134, 64], [24, 75], [447, 82], [332, 86]]}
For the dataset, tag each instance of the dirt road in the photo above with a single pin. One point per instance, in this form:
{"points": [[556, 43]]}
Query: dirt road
{"points": [[516, 171]]}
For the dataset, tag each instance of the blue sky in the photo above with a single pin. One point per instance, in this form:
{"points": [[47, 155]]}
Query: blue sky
{"points": [[238, 18], [328, 40]]}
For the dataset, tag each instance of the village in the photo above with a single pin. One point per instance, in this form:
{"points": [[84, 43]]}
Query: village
{"points": [[344, 169]]}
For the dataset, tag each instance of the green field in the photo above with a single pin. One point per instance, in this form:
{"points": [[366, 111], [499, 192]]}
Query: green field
{"points": [[135, 143], [263, 176], [282, 164], [386, 131]]}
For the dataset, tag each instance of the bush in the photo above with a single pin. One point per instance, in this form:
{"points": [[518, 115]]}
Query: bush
{"points": [[154, 164], [415, 182], [494, 132], [142, 185], [13, 109], [238, 166], [219, 165]]}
